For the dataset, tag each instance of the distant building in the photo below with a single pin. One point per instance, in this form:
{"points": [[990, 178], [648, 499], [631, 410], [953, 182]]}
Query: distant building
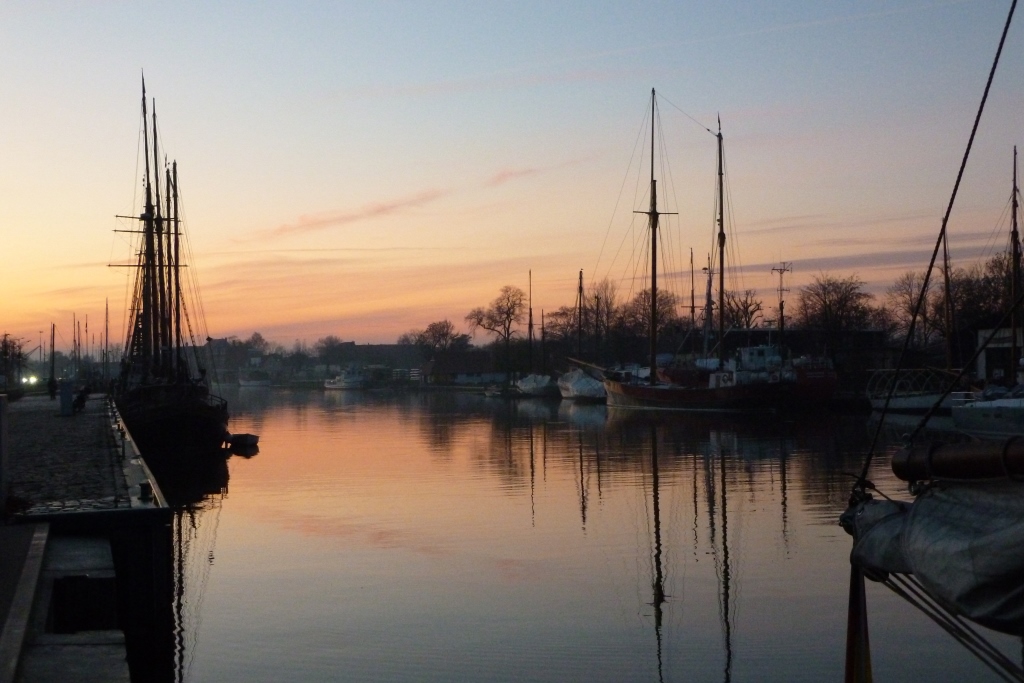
{"points": [[994, 363]]}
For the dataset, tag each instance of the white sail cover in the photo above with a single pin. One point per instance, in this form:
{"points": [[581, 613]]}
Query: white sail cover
{"points": [[578, 384], [537, 385], [964, 542]]}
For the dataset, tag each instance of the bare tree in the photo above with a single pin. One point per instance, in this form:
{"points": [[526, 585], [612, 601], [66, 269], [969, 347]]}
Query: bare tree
{"points": [[500, 317], [742, 310], [834, 306], [329, 349], [901, 298], [603, 297], [635, 316], [442, 336]]}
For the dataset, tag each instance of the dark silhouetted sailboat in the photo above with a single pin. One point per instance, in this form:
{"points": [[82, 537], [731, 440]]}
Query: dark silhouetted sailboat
{"points": [[163, 392]]}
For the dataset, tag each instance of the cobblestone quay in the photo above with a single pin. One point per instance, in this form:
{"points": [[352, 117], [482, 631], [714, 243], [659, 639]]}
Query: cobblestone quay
{"points": [[63, 464]]}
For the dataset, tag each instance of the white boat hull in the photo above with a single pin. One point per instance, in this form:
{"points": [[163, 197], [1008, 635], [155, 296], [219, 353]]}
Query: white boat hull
{"points": [[913, 404], [999, 418]]}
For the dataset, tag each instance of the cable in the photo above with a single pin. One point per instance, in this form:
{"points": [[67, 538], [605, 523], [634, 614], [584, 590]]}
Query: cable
{"points": [[931, 264]]}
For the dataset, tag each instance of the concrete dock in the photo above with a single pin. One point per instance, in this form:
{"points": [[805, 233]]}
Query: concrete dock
{"points": [[84, 549], [59, 464]]}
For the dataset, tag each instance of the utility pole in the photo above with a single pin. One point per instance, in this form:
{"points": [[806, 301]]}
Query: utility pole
{"points": [[782, 269]]}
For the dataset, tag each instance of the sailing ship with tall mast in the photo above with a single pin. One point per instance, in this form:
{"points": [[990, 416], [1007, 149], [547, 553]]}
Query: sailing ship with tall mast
{"points": [[755, 381], [163, 391]]}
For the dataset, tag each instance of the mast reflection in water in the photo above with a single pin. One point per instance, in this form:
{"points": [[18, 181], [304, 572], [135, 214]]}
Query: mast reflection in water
{"points": [[455, 537]]}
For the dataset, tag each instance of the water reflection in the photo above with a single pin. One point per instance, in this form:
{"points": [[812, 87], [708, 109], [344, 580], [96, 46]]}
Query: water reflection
{"points": [[456, 537], [195, 535]]}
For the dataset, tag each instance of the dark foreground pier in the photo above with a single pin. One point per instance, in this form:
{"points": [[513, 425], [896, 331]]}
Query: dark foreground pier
{"points": [[86, 551]]}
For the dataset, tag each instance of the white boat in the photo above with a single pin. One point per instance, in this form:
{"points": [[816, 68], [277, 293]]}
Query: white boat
{"points": [[350, 378], [537, 385], [578, 385], [998, 416], [917, 390]]}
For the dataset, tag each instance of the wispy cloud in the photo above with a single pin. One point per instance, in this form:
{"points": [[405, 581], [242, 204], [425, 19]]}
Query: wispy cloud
{"points": [[508, 174], [505, 175], [313, 223]]}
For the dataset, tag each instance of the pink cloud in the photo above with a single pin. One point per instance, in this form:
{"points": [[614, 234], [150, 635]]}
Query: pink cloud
{"points": [[369, 211]]}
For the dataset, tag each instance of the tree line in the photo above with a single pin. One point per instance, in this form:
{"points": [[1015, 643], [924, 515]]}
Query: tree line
{"points": [[611, 327]]}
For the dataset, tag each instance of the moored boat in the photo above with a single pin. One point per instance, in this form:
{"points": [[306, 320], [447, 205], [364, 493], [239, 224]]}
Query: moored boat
{"points": [[577, 385], [537, 386], [351, 377], [162, 392], [755, 381]]}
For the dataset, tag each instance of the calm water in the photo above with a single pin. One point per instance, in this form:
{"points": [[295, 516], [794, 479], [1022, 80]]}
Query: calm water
{"points": [[459, 538]]}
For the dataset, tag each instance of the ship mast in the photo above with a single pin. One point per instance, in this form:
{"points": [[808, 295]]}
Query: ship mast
{"points": [[176, 272], [579, 317], [530, 325], [147, 255], [721, 253], [1015, 277], [653, 214]]}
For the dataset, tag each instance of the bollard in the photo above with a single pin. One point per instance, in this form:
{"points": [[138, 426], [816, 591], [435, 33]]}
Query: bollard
{"points": [[67, 397]]}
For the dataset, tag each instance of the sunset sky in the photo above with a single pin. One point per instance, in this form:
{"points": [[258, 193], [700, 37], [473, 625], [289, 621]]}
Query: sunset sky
{"points": [[360, 169]]}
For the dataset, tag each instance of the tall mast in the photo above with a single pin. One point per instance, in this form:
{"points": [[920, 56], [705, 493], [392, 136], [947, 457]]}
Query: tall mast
{"points": [[147, 254], [159, 266], [693, 307], [530, 325], [176, 271], [654, 257], [1015, 277], [947, 302], [543, 351], [721, 252], [579, 317], [653, 214], [709, 307]]}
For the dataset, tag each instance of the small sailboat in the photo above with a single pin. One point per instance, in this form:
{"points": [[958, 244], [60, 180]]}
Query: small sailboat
{"points": [[163, 391]]}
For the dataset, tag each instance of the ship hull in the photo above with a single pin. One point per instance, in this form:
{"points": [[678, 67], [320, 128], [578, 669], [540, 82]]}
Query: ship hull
{"points": [[745, 398], [185, 421]]}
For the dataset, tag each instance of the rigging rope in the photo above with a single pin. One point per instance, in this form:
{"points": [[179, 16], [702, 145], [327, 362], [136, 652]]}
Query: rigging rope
{"points": [[859, 485], [911, 590]]}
